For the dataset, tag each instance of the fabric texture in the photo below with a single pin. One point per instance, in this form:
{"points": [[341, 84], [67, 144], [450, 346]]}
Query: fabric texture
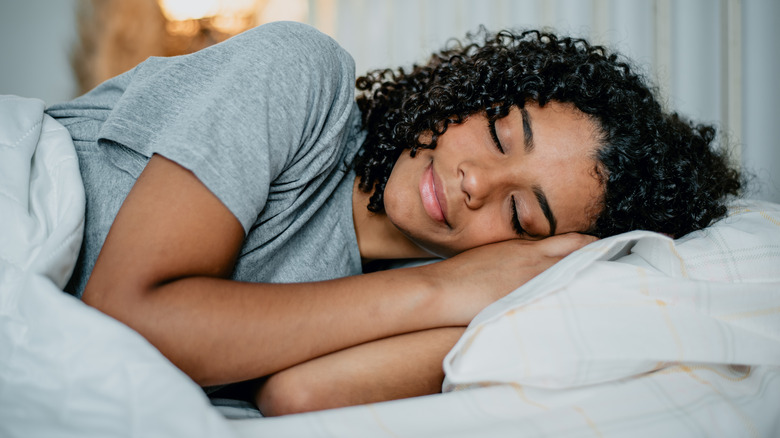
{"points": [[266, 120], [636, 303], [41, 196], [66, 369], [647, 326]]}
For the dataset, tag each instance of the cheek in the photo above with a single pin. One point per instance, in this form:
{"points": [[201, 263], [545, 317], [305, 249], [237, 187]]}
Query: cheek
{"points": [[400, 196], [397, 206], [483, 228]]}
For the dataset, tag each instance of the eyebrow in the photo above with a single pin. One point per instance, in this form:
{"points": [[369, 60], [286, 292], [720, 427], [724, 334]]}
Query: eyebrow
{"points": [[528, 140], [528, 133]]}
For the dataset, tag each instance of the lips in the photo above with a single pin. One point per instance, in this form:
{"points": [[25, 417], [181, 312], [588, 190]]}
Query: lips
{"points": [[432, 194]]}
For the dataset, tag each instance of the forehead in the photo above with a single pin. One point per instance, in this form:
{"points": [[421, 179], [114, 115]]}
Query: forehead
{"points": [[561, 128]]}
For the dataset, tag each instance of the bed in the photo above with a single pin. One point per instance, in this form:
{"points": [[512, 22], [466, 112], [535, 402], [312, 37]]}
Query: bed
{"points": [[634, 335]]}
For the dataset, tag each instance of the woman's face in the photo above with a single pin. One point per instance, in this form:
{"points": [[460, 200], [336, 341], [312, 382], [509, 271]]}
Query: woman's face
{"points": [[538, 180]]}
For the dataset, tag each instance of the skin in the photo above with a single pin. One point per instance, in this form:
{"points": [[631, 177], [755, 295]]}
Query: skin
{"points": [[170, 283]]}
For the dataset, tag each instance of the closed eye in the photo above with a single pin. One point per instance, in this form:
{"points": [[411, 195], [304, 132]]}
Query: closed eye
{"points": [[516, 220], [492, 125]]}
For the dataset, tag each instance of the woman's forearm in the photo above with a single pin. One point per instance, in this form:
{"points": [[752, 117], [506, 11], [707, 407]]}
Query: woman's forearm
{"points": [[220, 331], [403, 366]]}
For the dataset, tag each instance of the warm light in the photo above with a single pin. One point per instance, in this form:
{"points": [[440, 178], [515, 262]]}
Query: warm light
{"points": [[188, 17], [181, 10]]}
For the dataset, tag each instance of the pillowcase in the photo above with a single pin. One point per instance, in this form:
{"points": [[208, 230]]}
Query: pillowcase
{"points": [[634, 303]]}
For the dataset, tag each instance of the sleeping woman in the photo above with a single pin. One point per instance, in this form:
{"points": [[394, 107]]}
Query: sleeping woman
{"points": [[234, 196]]}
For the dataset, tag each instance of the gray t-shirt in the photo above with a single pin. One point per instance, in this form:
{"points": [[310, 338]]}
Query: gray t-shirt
{"points": [[266, 120]]}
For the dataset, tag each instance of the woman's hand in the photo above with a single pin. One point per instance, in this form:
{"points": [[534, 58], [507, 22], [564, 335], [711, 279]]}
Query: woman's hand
{"points": [[485, 274]]}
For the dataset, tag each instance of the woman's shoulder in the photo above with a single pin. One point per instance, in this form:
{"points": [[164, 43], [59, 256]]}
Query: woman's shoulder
{"points": [[294, 39], [286, 29]]}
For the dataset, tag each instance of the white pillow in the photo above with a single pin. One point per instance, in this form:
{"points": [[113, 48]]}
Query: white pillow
{"points": [[634, 303]]}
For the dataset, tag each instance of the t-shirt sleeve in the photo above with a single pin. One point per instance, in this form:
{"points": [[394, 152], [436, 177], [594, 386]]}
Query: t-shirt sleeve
{"points": [[239, 113]]}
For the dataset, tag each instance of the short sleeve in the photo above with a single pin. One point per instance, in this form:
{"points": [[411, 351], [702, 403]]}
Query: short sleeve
{"points": [[238, 114]]}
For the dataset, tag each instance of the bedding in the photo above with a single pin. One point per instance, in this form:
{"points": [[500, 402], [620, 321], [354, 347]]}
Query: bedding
{"points": [[65, 368], [634, 335]]}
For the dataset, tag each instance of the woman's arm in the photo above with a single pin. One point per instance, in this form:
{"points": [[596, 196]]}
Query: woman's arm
{"points": [[403, 366], [163, 269]]}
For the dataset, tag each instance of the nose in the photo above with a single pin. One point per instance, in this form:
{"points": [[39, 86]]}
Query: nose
{"points": [[481, 183]]}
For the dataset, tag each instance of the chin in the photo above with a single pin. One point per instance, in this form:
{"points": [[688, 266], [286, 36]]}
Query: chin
{"points": [[433, 248], [412, 234]]}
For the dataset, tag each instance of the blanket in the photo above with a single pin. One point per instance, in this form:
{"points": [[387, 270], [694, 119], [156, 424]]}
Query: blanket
{"points": [[67, 370]]}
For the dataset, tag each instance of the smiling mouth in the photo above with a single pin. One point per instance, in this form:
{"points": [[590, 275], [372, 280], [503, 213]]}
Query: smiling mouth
{"points": [[432, 195]]}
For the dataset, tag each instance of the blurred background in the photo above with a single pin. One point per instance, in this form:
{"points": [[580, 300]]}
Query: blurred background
{"points": [[716, 61]]}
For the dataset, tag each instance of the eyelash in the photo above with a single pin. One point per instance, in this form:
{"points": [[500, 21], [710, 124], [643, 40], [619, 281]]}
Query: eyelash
{"points": [[516, 220], [492, 125]]}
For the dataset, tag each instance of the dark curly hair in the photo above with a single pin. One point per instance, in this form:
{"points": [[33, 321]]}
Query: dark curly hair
{"points": [[660, 171]]}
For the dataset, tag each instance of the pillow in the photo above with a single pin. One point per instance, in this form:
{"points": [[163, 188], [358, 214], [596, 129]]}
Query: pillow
{"points": [[634, 303]]}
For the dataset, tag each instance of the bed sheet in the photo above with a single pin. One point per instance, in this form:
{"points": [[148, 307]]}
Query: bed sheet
{"points": [[747, 408]]}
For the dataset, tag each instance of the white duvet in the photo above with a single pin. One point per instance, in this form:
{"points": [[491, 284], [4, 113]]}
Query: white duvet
{"points": [[635, 335], [67, 370]]}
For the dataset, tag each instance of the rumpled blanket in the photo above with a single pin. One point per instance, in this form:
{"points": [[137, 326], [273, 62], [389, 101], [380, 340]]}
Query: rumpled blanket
{"points": [[67, 370]]}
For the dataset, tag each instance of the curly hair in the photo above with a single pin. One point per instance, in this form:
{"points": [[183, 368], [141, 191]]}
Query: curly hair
{"points": [[660, 171]]}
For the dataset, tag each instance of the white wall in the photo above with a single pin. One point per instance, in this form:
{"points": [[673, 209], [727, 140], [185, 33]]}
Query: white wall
{"points": [[36, 37], [761, 94], [716, 61]]}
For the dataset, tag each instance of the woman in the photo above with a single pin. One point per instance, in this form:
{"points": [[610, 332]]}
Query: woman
{"points": [[234, 194]]}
